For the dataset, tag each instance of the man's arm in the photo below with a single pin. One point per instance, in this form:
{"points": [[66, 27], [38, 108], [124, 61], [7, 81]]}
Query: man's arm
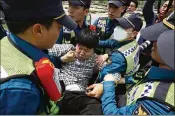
{"points": [[148, 12], [110, 43], [61, 53], [109, 104], [117, 64], [60, 49], [142, 107], [96, 22]]}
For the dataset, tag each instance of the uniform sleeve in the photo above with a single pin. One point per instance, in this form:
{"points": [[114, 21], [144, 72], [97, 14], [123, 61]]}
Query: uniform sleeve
{"points": [[110, 43], [141, 107], [130, 80], [109, 106], [148, 12], [117, 65], [19, 97], [96, 22]]}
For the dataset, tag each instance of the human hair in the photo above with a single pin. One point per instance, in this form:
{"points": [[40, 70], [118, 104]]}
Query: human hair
{"points": [[21, 26], [88, 38], [135, 2]]}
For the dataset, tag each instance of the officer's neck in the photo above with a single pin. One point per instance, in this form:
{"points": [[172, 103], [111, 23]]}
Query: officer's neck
{"points": [[80, 23], [28, 38]]}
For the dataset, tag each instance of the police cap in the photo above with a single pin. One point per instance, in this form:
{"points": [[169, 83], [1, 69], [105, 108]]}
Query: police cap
{"points": [[153, 32], [17, 10], [84, 3]]}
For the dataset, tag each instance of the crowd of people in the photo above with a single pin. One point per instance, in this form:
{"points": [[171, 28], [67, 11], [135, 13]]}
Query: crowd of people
{"points": [[58, 64]]}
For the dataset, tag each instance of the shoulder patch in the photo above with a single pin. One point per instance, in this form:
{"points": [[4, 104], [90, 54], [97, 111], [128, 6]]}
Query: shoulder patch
{"points": [[141, 110], [103, 18]]}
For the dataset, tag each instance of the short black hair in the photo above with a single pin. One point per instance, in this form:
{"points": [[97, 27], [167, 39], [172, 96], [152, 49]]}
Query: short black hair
{"points": [[135, 2], [18, 27], [88, 38]]}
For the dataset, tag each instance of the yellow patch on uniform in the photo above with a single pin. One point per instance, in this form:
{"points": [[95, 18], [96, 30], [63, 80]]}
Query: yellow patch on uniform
{"points": [[48, 62], [141, 110]]}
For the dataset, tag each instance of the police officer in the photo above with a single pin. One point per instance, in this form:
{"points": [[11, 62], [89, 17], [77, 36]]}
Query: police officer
{"points": [[27, 85], [124, 56], [78, 10], [154, 94], [106, 25]]}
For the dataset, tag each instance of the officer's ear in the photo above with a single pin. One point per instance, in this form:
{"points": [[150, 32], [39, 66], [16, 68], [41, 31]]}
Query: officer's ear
{"points": [[123, 8], [86, 11], [134, 34], [38, 30]]}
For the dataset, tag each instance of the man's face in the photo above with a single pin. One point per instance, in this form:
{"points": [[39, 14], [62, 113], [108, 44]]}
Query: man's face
{"points": [[155, 55], [164, 8], [131, 34], [114, 11], [46, 38], [82, 52], [132, 7], [77, 13]]}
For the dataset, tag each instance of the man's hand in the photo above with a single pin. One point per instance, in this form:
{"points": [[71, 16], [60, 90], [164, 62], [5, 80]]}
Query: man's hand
{"points": [[96, 90], [69, 57], [101, 59]]}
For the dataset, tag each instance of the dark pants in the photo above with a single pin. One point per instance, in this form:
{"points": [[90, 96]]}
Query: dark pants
{"points": [[78, 103], [120, 92]]}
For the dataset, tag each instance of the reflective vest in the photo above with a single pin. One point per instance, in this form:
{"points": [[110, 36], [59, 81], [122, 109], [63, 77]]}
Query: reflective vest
{"points": [[159, 91], [101, 30], [102, 22], [131, 53], [68, 35], [20, 65]]}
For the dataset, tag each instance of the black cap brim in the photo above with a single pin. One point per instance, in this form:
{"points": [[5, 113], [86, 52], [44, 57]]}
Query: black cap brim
{"points": [[165, 45], [116, 3], [124, 23], [67, 22], [153, 32]]}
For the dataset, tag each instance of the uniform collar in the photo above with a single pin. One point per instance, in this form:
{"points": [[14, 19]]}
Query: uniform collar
{"points": [[27, 48], [84, 24], [160, 73], [78, 29]]}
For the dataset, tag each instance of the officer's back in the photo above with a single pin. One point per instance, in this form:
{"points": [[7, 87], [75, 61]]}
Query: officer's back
{"points": [[34, 26]]}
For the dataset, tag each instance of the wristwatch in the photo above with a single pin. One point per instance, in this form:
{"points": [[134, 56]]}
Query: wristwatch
{"points": [[117, 76]]}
